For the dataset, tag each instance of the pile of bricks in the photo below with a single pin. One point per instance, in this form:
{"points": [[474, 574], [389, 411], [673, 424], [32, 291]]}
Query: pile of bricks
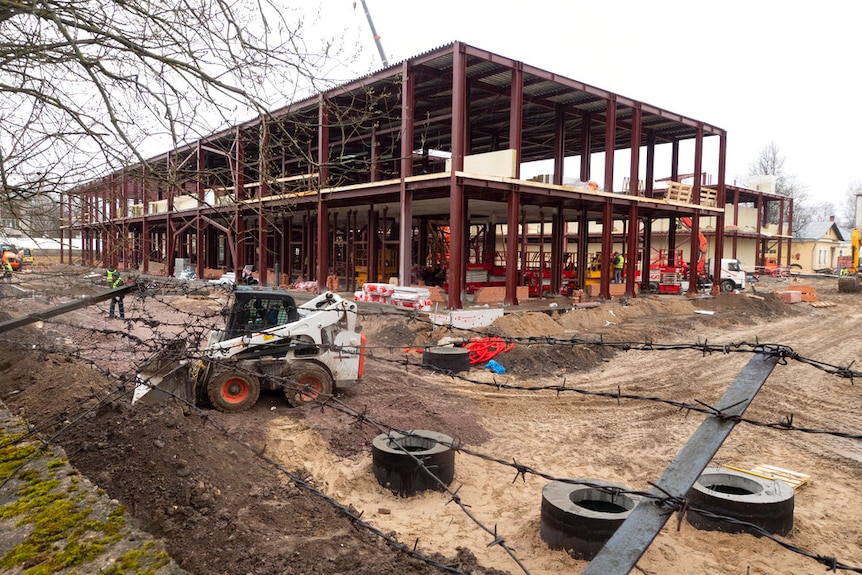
{"points": [[578, 296], [435, 295], [796, 294], [789, 296]]}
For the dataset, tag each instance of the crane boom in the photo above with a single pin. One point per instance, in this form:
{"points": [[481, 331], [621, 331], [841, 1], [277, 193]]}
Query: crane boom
{"points": [[376, 37]]}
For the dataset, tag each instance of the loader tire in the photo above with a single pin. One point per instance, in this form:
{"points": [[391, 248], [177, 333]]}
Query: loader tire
{"points": [[232, 391], [307, 382]]}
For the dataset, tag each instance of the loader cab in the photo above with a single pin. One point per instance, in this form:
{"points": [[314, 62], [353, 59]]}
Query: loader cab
{"points": [[255, 310]]}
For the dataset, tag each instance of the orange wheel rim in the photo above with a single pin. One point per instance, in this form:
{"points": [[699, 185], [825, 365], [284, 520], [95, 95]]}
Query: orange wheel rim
{"points": [[309, 389], [234, 390]]}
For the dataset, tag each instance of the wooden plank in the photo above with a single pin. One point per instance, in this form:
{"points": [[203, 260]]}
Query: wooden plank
{"points": [[792, 478]]}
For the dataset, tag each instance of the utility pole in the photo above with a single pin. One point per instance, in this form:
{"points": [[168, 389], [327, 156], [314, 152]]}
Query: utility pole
{"points": [[374, 33]]}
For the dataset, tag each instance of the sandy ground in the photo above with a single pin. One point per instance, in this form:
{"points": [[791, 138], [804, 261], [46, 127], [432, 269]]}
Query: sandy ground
{"points": [[228, 501], [631, 442]]}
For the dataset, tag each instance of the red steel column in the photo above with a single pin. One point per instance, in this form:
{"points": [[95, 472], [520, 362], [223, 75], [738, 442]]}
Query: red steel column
{"points": [[542, 253], [373, 254], [322, 211], [671, 243], [780, 254], [239, 195], [171, 240], [674, 160], [146, 246], [199, 228], [631, 255], [649, 177], [607, 214], [322, 245], [522, 271], [647, 254], [263, 190], [457, 232], [124, 214], [110, 228], [513, 207], [290, 246], [634, 169], [607, 248], [405, 247], [558, 235], [694, 254], [513, 202], [583, 240], [610, 141], [586, 143], [559, 143], [789, 231], [557, 216], [721, 200]]}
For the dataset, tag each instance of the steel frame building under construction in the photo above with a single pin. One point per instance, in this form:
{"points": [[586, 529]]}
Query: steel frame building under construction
{"points": [[418, 166]]}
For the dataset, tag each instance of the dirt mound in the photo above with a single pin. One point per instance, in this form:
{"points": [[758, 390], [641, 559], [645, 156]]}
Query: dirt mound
{"points": [[528, 324]]}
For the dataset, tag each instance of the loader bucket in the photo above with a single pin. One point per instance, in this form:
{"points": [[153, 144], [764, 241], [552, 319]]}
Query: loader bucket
{"points": [[165, 375]]}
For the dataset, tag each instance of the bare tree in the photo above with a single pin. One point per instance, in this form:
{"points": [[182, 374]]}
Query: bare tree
{"points": [[846, 214], [91, 86], [770, 162]]}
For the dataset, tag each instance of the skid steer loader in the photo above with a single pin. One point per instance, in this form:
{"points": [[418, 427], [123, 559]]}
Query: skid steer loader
{"points": [[268, 342]]}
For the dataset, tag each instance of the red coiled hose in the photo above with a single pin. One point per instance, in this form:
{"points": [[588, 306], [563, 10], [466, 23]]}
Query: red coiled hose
{"points": [[485, 349]]}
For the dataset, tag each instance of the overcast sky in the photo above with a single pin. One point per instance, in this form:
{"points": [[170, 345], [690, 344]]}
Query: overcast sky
{"points": [[765, 71]]}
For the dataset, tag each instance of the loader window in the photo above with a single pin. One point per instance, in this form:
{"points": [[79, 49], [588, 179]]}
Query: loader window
{"points": [[288, 313], [264, 313], [254, 312]]}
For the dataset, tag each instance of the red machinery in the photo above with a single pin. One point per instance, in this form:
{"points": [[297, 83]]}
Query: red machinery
{"points": [[667, 272]]}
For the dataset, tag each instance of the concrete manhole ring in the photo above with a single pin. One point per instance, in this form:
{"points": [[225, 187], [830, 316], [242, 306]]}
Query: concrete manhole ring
{"points": [[454, 359], [581, 516], [395, 466], [766, 503]]}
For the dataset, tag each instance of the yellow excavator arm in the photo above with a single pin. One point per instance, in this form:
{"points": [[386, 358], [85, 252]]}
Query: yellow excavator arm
{"points": [[856, 242]]}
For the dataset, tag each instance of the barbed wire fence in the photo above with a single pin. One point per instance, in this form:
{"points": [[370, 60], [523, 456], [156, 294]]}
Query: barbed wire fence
{"points": [[156, 309]]}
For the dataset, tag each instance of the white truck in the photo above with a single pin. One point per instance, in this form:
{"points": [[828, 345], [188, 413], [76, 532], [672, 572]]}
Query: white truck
{"points": [[268, 342], [732, 274]]}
